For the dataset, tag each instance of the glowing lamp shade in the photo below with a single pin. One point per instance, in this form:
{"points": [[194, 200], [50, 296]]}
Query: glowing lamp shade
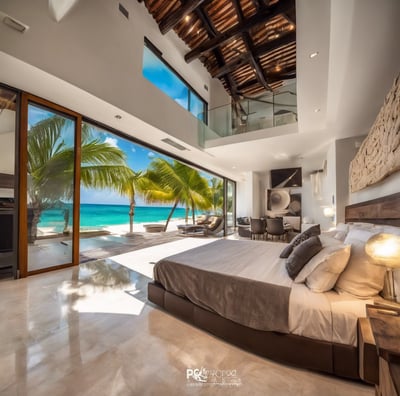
{"points": [[385, 250]]}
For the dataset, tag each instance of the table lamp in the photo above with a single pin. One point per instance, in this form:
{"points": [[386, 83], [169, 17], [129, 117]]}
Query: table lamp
{"points": [[385, 250]]}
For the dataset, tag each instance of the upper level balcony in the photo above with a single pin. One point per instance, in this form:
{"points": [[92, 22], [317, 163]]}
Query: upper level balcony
{"points": [[248, 115]]}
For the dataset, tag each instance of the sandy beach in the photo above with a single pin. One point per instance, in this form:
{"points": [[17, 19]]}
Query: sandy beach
{"points": [[120, 229]]}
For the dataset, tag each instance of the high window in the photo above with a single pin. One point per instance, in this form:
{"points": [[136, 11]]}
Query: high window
{"points": [[158, 72]]}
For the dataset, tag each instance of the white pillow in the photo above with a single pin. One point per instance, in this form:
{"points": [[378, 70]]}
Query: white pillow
{"points": [[333, 256], [391, 230], [328, 240], [362, 277], [326, 274]]}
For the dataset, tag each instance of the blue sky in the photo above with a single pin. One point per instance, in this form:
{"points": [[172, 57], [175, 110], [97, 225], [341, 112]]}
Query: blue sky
{"points": [[138, 158]]}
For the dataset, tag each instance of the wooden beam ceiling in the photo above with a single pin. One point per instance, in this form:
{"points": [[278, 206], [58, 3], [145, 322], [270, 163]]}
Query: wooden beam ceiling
{"points": [[257, 19], [250, 45], [175, 17]]}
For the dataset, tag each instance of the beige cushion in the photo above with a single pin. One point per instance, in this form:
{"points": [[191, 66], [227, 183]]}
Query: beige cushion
{"points": [[327, 267], [301, 255], [328, 256], [362, 277]]}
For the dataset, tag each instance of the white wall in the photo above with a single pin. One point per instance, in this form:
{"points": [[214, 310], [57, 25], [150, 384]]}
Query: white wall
{"points": [[390, 185], [244, 196], [97, 49], [248, 195]]}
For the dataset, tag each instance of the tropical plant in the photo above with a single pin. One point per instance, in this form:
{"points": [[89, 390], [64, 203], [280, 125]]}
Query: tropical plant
{"points": [[174, 182], [217, 194], [51, 163], [129, 187]]}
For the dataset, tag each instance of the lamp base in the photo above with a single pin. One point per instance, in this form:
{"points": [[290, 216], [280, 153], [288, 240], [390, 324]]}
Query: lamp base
{"points": [[388, 292]]}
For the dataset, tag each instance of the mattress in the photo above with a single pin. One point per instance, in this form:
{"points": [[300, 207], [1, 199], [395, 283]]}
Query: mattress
{"points": [[325, 316]]}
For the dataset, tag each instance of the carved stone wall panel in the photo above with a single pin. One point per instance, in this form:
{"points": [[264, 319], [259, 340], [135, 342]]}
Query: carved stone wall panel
{"points": [[379, 154]]}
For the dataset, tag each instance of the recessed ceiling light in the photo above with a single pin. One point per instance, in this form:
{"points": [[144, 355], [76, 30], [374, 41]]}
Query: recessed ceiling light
{"points": [[317, 110], [118, 117], [314, 54], [187, 18]]}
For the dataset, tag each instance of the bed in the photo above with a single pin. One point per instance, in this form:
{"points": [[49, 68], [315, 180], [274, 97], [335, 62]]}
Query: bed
{"points": [[241, 291]]}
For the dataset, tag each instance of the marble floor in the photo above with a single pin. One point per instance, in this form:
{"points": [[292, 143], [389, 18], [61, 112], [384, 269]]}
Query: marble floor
{"points": [[90, 330]]}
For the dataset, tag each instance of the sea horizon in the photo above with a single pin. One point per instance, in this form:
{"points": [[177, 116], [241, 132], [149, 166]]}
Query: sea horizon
{"points": [[104, 215]]}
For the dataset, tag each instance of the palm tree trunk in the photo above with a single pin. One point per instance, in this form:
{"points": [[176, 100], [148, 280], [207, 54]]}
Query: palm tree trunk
{"points": [[170, 214], [131, 215], [33, 221], [186, 214], [193, 216]]}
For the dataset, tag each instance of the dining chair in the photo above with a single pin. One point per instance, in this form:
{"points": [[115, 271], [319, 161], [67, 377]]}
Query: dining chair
{"points": [[275, 228], [257, 228]]}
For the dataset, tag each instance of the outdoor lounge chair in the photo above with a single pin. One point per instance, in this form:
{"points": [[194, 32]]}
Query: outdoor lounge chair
{"points": [[215, 226]]}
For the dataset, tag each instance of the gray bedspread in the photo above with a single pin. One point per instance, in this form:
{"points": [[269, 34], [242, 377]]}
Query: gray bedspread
{"points": [[244, 281]]}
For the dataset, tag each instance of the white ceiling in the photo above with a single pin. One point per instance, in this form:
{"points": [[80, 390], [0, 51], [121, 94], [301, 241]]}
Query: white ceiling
{"points": [[359, 56]]}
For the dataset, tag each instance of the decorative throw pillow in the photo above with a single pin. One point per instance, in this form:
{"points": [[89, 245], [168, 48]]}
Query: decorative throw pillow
{"points": [[328, 256], [286, 252], [326, 273], [362, 277], [301, 255], [312, 231]]}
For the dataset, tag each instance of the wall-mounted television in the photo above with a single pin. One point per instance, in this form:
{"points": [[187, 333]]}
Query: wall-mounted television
{"points": [[288, 177]]}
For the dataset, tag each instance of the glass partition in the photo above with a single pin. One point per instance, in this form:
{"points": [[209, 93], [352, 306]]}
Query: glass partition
{"points": [[50, 187], [251, 114]]}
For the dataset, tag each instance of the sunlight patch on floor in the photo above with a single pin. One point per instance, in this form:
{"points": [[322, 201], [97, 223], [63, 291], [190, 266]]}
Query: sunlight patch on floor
{"points": [[143, 260], [113, 302]]}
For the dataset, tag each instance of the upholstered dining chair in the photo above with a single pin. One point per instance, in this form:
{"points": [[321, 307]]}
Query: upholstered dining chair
{"points": [[275, 228], [257, 228]]}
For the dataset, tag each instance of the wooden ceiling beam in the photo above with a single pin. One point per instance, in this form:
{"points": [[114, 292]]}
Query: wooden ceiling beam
{"points": [[212, 32], [257, 51], [170, 21], [287, 75], [253, 62], [282, 7]]}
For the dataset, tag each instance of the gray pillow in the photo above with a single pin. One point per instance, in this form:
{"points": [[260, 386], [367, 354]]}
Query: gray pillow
{"points": [[286, 252], [312, 231], [302, 254]]}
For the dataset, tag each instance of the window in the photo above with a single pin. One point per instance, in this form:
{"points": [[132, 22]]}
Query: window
{"points": [[158, 72]]}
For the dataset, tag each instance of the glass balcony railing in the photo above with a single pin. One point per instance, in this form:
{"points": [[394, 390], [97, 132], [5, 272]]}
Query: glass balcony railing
{"points": [[251, 114]]}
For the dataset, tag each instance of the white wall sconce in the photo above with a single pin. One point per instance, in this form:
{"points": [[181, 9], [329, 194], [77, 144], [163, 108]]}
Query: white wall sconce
{"points": [[329, 212]]}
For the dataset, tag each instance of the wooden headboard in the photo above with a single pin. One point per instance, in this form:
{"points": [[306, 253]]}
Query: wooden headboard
{"points": [[385, 210]]}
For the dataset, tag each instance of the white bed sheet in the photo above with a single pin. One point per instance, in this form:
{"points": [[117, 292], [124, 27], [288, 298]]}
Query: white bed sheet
{"points": [[325, 316]]}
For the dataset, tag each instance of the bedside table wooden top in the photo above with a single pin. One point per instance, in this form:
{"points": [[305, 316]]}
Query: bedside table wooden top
{"points": [[385, 325]]}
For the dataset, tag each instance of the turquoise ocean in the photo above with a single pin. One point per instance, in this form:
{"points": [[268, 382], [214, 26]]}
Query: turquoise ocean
{"points": [[97, 216]]}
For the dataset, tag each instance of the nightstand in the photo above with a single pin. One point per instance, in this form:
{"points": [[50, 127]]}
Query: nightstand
{"points": [[368, 356], [384, 324]]}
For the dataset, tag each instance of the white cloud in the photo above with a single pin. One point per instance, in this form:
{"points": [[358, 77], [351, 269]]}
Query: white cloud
{"points": [[111, 141], [151, 154], [133, 150]]}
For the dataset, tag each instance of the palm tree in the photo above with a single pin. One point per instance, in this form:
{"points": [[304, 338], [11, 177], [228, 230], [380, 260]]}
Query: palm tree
{"points": [[217, 193], [51, 161], [129, 187], [174, 182]]}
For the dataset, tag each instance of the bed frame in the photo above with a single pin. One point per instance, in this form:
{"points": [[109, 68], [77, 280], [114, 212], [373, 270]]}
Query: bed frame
{"points": [[339, 359]]}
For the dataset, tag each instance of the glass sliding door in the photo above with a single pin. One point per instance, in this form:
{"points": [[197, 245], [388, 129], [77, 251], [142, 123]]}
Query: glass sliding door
{"points": [[8, 183], [230, 205], [50, 169]]}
